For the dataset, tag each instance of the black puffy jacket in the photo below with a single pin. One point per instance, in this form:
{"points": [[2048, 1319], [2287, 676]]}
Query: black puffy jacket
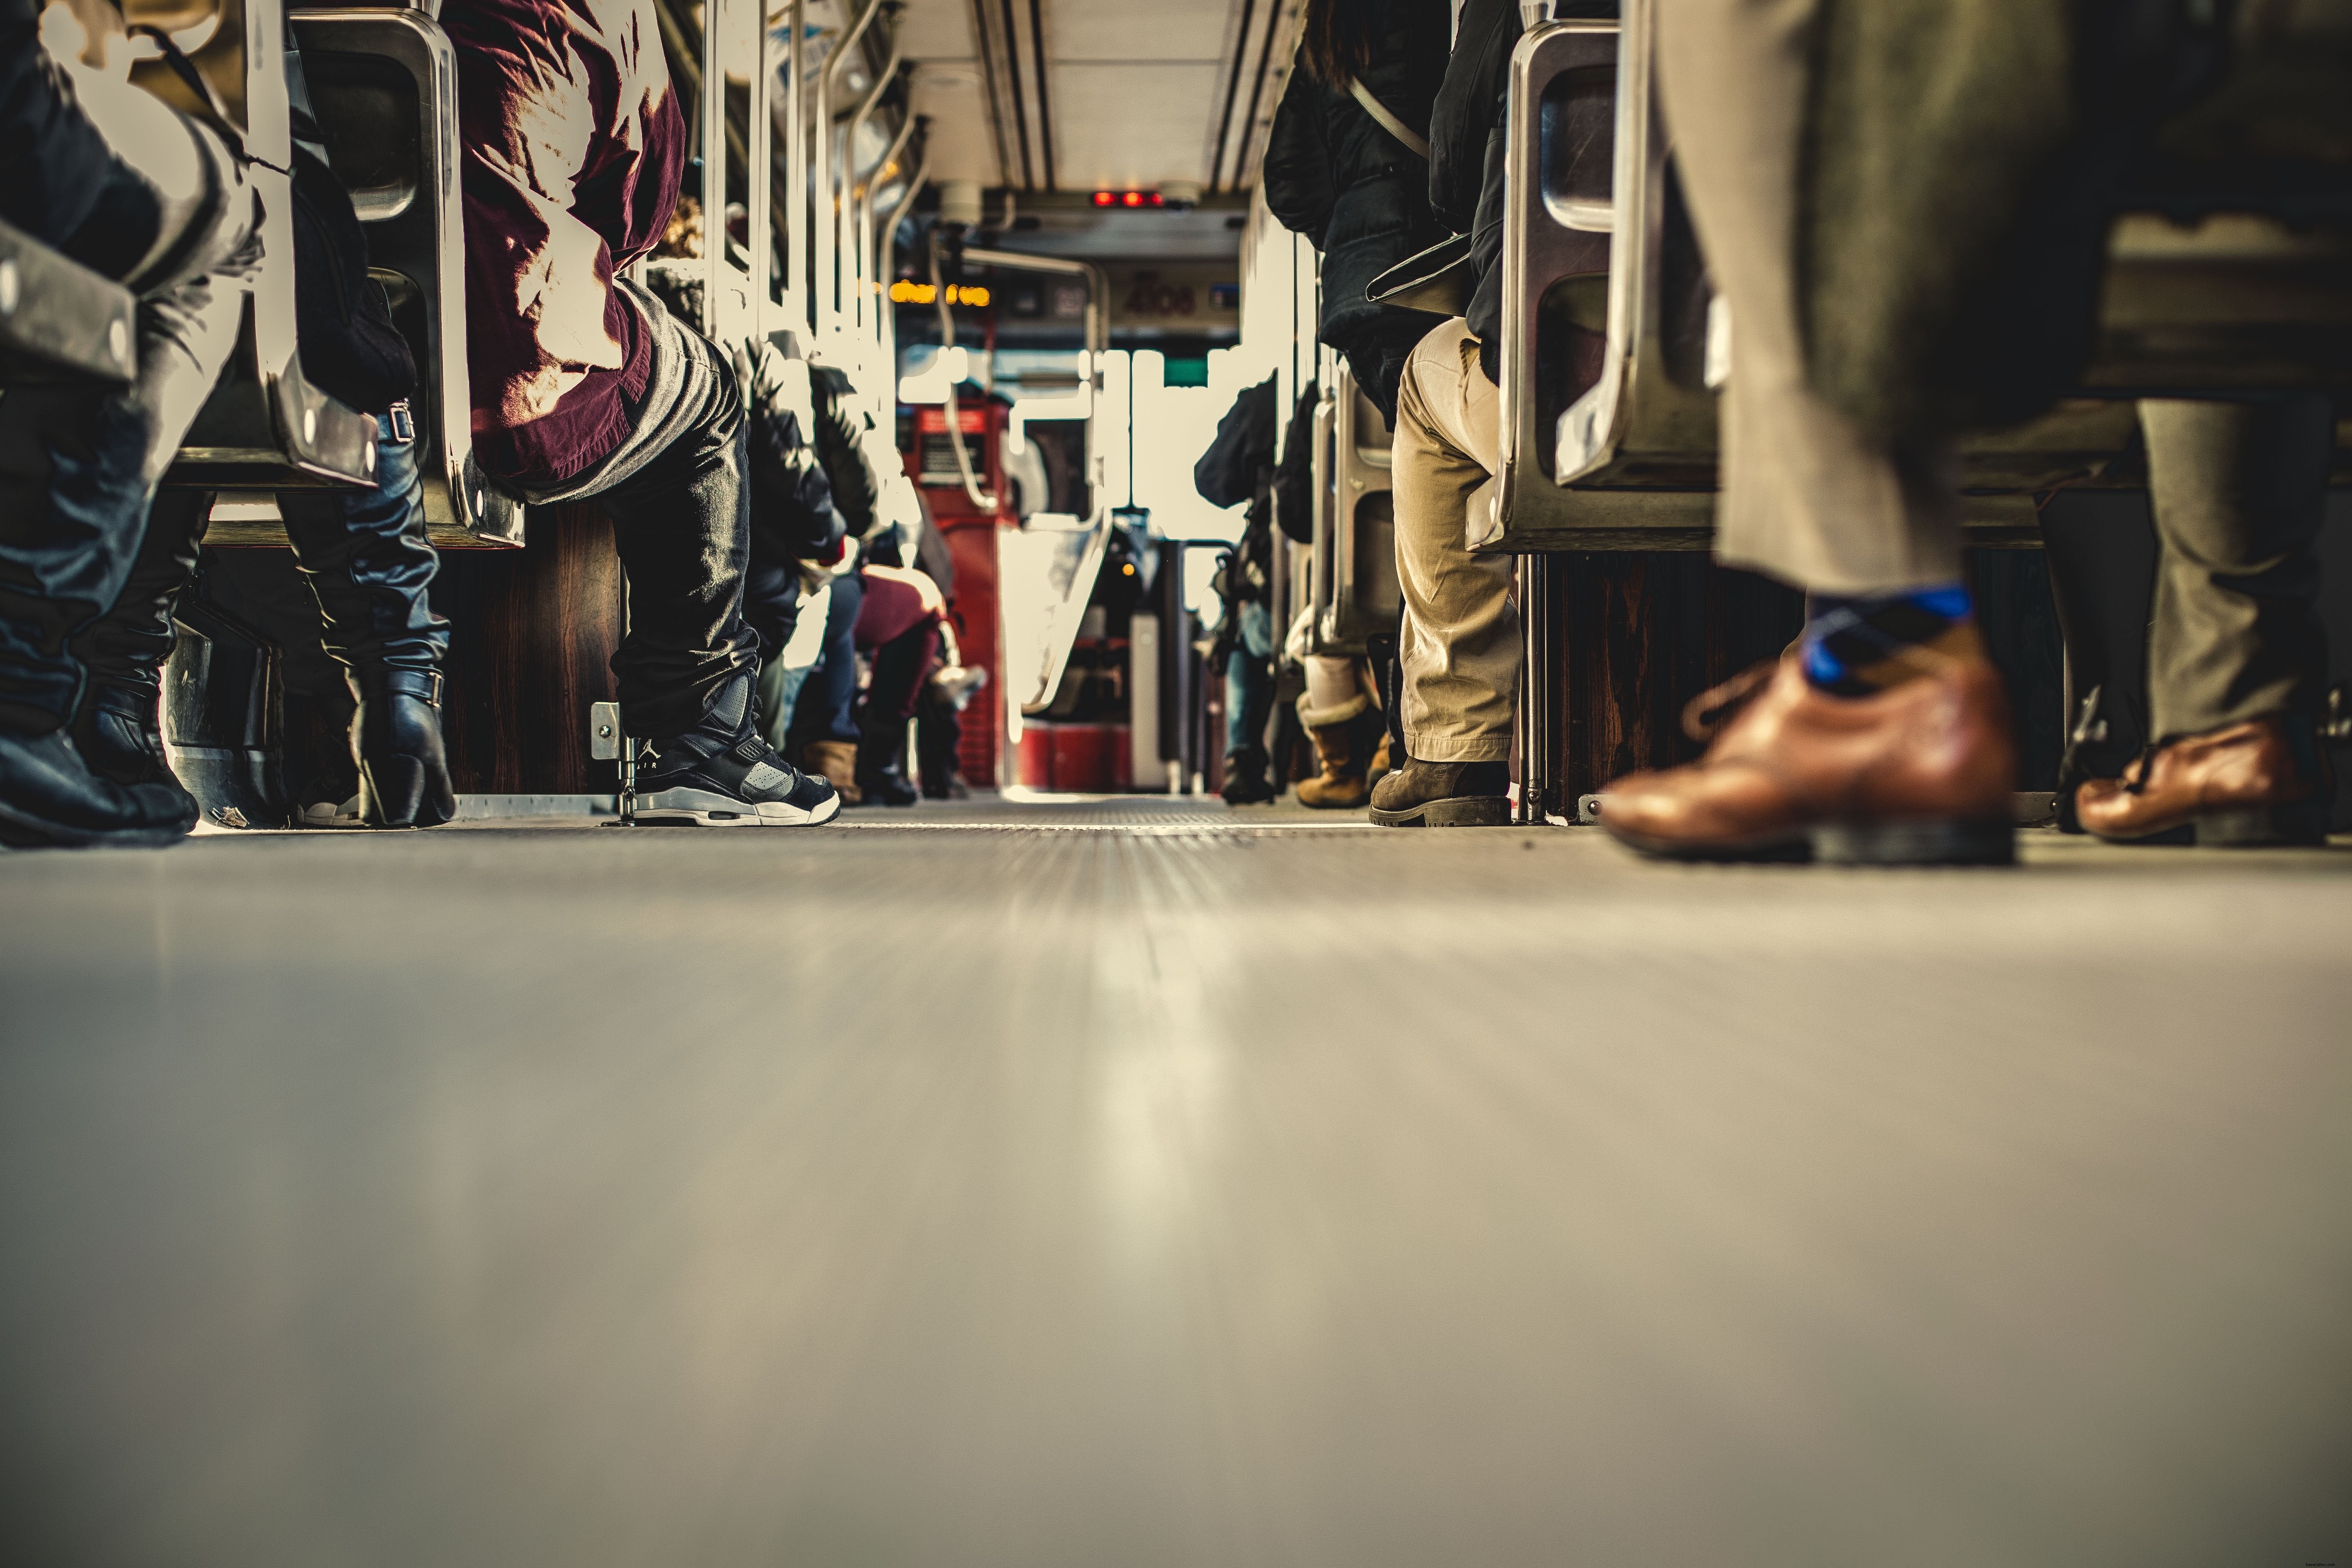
{"points": [[1333, 175], [1466, 148]]}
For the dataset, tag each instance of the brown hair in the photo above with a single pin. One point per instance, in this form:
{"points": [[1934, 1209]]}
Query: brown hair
{"points": [[1335, 41]]}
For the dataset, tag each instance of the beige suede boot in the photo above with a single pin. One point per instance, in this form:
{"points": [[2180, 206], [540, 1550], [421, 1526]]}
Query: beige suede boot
{"points": [[1335, 730], [837, 761]]}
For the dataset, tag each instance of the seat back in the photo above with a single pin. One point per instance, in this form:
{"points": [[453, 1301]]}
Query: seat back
{"points": [[1598, 270], [1364, 597], [264, 425], [383, 86]]}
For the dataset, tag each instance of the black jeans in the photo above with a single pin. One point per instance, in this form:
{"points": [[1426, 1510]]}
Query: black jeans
{"points": [[681, 518]]}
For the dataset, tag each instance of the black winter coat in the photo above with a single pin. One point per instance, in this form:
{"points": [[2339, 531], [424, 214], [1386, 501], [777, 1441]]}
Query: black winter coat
{"points": [[1467, 144], [1333, 175]]}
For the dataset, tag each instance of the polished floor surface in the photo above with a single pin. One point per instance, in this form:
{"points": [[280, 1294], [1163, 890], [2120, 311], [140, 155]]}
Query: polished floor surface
{"points": [[1139, 1182]]}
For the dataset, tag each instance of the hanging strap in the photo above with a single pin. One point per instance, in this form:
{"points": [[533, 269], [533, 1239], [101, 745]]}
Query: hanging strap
{"points": [[1388, 123]]}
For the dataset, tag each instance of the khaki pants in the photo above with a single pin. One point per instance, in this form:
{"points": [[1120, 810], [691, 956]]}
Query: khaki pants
{"points": [[1460, 642], [1805, 498], [2239, 492]]}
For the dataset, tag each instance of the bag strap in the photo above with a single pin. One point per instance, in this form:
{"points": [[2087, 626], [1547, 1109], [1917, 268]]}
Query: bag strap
{"points": [[1387, 121]]}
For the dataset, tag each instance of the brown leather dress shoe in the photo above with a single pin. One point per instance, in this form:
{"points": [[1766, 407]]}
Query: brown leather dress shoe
{"points": [[1918, 775], [1443, 795], [2265, 781]]}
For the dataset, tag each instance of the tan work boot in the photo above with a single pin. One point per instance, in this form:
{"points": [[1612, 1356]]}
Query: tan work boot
{"points": [[837, 761], [1340, 786], [1443, 795]]}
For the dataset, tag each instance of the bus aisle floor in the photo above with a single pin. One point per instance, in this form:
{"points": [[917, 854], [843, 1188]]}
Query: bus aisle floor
{"points": [[1140, 1182]]}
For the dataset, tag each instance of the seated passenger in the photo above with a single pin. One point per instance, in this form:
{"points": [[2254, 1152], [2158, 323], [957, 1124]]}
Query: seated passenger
{"points": [[361, 550], [585, 385], [799, 546], [1459, 642], [139, 193], [1354, 181], [2237, 661]]}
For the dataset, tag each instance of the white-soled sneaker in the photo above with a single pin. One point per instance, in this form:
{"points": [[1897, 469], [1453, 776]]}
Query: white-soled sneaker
{"points": [[747, 785]]}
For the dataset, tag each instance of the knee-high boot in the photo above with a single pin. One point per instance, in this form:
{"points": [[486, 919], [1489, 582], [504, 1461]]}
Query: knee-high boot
{"points": [[367, 561]]}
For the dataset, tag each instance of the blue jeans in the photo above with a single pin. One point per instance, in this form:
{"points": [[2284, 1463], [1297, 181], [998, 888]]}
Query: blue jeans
{"points": [[79, 463], [1249, 679], [361, 549], [833, 689]]}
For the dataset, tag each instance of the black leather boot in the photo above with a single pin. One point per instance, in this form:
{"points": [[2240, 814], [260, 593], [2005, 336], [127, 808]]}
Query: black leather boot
{"points": [[49, 797], [118, 729], [881, 763], [396, 741], [119, 735]]}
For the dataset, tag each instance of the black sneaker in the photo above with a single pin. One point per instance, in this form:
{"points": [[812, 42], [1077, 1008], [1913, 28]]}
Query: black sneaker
{"points": [[722, 774], [747, 785]]}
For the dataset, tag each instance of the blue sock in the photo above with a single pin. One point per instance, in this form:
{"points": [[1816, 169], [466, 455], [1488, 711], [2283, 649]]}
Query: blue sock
{"points": [[1858, 646]]}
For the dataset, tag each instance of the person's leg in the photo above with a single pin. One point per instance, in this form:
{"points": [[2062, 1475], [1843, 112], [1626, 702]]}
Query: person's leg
{"points": [[828, 715], [688, 667], [364, 555], [1459, 638], [1805, 498], [118, 728], [683, 533], [1332, 709], [79, 466], [1885, 735], [1461, 632], [1249, 697], [900, 667], [2237, 660]]}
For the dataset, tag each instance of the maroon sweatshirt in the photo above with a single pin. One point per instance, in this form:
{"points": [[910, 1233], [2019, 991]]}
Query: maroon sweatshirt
{"points": [[574, 142]]}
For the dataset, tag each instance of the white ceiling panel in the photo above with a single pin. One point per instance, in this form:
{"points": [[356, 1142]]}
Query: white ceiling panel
{"points": [[1131, 127], [1136, 88], [1168, 30]]}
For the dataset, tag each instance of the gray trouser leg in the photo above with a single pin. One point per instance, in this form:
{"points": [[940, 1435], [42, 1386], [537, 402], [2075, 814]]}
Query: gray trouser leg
{"points": [[1807, 497], [2239, 492]]}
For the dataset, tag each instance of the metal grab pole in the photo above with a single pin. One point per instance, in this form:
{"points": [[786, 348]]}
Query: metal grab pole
{"points": [[796, 177], [888, 324], [866, 238], [828, 276], [851, 182], [1536, 704]]}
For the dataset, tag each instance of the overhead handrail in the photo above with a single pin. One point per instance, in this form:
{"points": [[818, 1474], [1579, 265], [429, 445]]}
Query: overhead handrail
{"points": [[1098, 522]]}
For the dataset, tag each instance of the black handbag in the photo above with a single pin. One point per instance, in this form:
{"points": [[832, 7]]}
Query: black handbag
{"points": [[351, 350]]}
